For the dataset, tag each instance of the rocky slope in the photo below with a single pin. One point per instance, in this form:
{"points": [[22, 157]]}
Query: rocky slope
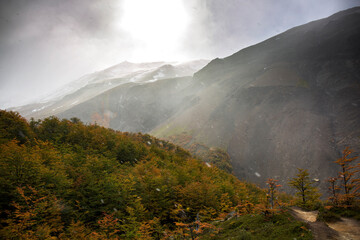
{"points": [[289, 102]]}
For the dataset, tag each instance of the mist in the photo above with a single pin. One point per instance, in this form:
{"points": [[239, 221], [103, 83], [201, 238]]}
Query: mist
{"points": [[46, 44]]}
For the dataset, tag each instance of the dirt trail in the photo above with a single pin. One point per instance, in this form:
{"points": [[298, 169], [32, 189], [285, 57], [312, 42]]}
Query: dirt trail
{"points": [[348, 229], [306, 216], [345, 229]]}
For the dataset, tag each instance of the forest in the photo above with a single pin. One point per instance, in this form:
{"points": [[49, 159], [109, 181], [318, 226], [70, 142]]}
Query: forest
{"points": [[62, 179]]}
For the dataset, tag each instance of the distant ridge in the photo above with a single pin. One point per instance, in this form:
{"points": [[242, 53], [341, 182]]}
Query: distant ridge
{"points": [[98, 82]]}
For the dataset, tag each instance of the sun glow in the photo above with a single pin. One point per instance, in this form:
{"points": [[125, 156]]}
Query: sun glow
{"points": [[156, 27]]}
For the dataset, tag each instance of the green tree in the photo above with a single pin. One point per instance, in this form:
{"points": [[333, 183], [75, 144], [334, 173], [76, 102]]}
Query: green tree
{"points": [[307, 194], [13, 126]]}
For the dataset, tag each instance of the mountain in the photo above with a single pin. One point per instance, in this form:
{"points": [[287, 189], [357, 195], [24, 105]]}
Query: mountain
{"points": [[292, 101], [91, 85], [289, 102]]}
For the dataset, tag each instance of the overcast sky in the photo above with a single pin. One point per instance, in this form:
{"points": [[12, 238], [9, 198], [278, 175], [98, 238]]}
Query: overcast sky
{"points": [[45, 44]]}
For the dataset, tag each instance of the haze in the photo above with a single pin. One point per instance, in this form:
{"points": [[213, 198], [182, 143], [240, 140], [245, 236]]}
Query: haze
{"points": [[46, 44]]}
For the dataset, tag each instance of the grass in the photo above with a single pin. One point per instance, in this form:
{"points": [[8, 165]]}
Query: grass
{"points": [[328, 216], [335, 213], [257, 227], [166, 130]]}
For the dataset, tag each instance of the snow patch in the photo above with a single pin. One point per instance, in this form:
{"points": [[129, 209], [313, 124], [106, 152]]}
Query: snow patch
{"points": [[54, 109], [160, 74], [38, 109]]}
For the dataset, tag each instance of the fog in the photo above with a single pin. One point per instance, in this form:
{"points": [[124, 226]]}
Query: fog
{"points": [[45, 44]]}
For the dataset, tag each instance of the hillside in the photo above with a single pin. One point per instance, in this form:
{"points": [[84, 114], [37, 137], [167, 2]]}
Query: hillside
{"points": [[290, 101], [61, 179]]}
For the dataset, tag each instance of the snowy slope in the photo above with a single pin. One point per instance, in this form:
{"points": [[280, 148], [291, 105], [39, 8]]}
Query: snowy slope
{"points": [[96, 83]]}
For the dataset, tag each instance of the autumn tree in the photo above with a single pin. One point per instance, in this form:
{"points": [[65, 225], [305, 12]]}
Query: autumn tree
{"points": [[245, 207], [69, 180], [346, 174], [34, 217], [151, 229], [307, 194], [272, 186], [269, 205], [357, 182], [191, 230], [334, 191]]}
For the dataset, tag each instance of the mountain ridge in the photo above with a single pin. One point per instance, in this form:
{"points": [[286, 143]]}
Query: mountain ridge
{"points": [[91, 85], [290, 101], [294, 104]]}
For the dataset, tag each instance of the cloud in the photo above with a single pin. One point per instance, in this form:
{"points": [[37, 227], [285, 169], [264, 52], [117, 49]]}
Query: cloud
{"points": [[47, 43], [220, 28]]}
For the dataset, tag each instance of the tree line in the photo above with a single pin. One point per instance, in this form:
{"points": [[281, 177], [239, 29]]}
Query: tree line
{"points": [[343, 190], [63, 179]]}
